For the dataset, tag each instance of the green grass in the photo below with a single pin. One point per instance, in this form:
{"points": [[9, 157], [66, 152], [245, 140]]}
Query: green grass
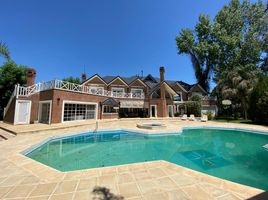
{"points": [[241, 121]]}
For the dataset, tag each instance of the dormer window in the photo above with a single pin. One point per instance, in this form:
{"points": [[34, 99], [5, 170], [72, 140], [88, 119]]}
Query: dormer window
{"points": [[117, 92], [96, 90], [178, 97], [136, 92]]}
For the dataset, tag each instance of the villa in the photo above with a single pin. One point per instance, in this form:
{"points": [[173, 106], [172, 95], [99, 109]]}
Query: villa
{"points": [[107, 97]]}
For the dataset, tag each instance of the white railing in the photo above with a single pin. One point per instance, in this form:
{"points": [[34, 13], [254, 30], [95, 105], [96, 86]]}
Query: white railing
{"points": [[67, 86], [15, 91]]}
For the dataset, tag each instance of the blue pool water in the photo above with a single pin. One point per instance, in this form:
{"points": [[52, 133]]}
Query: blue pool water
{"points": [[233, 155]]}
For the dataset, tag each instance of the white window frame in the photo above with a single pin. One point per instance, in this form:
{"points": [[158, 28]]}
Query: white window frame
{"points": [[79, 102], [137, 89], [116, 88], [50, 109], [110, 112]]}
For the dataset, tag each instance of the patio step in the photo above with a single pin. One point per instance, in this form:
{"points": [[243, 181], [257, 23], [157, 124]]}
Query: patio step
{"points": [[4, 135]]}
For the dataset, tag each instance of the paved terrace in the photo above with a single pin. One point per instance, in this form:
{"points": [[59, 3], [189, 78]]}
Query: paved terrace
{"points": [[24, 178]]}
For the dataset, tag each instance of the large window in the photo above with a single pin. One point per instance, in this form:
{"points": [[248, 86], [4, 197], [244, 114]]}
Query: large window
{"points": [[109, 109], [74, 111]]}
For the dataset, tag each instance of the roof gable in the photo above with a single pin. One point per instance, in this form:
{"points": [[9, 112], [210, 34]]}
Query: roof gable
{"points": [[118, 78], [92, 77]]}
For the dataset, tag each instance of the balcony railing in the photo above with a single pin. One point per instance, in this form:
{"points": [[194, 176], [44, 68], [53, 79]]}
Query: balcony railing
{"points": [[72, 87]]}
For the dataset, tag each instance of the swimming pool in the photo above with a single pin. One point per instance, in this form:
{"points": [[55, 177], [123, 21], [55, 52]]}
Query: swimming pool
{"points": [[229, 154]]}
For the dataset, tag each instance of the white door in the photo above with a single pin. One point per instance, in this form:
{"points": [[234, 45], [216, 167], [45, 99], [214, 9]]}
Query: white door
{"points": [[22, 112], [153, 111]]}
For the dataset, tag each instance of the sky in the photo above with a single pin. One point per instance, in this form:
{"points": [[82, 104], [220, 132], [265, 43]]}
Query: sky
{"points": [[108, 37]]}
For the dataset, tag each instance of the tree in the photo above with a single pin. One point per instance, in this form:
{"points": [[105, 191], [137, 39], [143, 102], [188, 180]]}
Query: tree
{"points": [[238, 84], [4, 51], [239, 30], [201, 48], [10, 75], [72, 80], [258, 107]]}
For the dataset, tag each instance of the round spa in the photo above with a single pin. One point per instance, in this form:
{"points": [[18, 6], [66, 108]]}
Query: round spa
{"points": [[151, 125]]}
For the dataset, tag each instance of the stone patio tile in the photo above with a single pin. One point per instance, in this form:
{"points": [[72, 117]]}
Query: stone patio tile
{"points": [[30, 180], [74, 175], [183, 180], [20, 191], [176, 195], [166, 184], [4, 190], [170, 171], [87, 184], [125, 178], [129, 190], [66, 196], [3, 178], [107, 180], [66, 186], [210, 179], [214, 190], [156, 196], [142, 175], [83, 195], [148, 187], [38, 198], [12, 180], [156, 172], [43, 189], [234, 187], [228, 197], [195, 192]]}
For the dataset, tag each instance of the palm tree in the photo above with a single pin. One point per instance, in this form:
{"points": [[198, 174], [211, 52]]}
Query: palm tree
{"points": [[4, 51], [237, 86]]}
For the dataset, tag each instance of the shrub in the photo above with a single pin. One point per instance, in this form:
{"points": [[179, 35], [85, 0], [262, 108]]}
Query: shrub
{"points": [[194, 107], [210, 115]]}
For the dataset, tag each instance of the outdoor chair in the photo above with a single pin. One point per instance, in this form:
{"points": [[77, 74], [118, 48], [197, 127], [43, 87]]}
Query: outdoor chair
{"points": [[204, 118], [192, 118], [184, 117]]}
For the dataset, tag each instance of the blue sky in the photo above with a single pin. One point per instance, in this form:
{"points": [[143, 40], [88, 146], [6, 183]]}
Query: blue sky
{"points": [[108, 37]]}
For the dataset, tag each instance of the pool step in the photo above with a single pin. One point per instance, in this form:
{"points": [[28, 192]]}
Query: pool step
{"points": [[265, 147]]}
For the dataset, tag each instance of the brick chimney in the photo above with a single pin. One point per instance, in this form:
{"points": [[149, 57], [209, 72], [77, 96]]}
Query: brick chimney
{"points": [[30, 74], [163, 103], [84, 77], [162, 74]]}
